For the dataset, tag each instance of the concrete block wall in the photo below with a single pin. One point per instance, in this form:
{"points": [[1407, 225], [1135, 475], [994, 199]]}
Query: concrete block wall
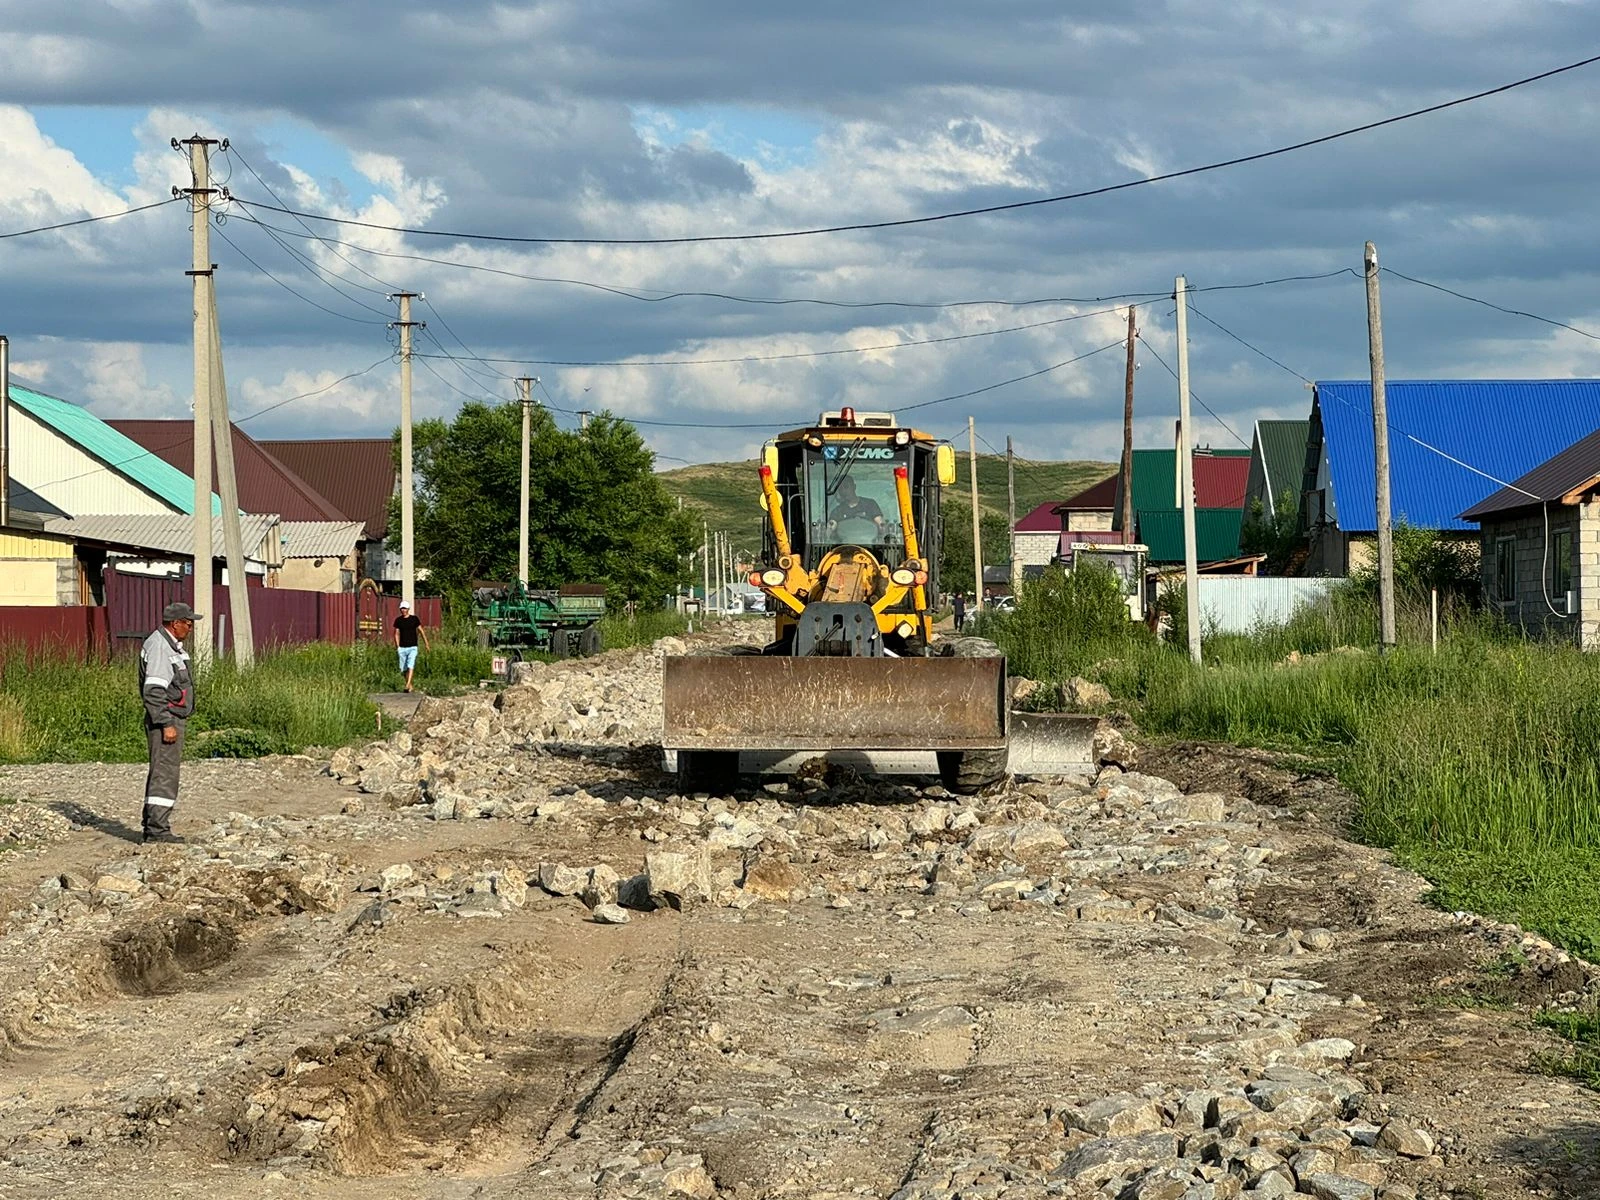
{"points": [[1535, 571]]}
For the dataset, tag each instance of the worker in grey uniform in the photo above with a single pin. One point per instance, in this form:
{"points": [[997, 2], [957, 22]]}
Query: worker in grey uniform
{"points": [[168, 691]]}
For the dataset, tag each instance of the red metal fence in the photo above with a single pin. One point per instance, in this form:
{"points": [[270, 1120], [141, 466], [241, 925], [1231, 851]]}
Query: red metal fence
{"points": [[280, 617]]}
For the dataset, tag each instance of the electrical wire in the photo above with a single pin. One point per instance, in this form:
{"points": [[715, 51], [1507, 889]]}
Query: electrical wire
{"points": [[127, 212], [318, 272], [1247, 345], [695, 362], [1012, 206], [261, 412], [1157, 355], [286, 287], [1514, 312]]}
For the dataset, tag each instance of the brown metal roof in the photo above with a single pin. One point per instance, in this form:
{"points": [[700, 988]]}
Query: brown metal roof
{"points": [[355, 475], [1576, 466], [265, 484], [1102, 495]]}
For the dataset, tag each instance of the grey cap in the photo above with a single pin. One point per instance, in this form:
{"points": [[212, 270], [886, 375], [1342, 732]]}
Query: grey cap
{"points": [[179, 611]]}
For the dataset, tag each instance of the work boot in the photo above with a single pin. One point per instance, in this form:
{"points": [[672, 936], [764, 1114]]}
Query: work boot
{"points": [[162, 835]]}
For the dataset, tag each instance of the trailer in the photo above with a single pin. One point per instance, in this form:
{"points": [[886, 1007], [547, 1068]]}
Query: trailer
{"points": [[563, 622]]}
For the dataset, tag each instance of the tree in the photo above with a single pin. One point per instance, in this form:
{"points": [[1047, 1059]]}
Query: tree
{"points": [[597, 512], [955, 552], [1277, 536]]}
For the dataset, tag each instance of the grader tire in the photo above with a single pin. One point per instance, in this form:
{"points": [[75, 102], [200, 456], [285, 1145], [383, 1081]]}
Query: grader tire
{"points": [[967, 772], [715, 771]]}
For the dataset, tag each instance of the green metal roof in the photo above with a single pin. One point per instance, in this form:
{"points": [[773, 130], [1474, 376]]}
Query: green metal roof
{"points": [[1153, 478], [1216, 533], [1283, 452], [122, 454]]}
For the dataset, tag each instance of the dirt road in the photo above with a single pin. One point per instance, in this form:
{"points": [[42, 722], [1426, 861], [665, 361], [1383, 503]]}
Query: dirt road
{"points": [[405, 985]]}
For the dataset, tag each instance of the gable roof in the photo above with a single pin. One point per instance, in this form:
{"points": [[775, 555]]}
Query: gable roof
{"points": [[118, 452], [1502, 427], [1577, 467], [355, 475], [1099, 496], [1219, 479], [319, 539], [265, 484], [171, 533], [1281, 447], [1216, 534], [1043, 519]]}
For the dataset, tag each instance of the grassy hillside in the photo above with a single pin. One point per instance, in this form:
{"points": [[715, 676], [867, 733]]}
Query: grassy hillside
{"points": [[727, 494]]}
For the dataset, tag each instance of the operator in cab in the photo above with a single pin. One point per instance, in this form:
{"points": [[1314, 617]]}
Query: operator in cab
{"points": [[847, 506]]}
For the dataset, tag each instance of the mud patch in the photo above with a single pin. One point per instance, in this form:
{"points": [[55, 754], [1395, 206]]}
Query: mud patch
{"points": [[156, 957], [1257, 775]]}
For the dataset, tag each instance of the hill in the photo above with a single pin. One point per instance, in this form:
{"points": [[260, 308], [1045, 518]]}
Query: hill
{"points": [[727, 496]]}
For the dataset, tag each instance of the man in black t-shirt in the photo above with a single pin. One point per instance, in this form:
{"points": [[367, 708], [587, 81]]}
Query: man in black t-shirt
{"points": [[406, 630]]}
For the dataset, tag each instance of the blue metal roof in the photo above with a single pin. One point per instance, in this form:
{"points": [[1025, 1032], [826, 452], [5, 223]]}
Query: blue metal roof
{"points": [[1502, 427]]}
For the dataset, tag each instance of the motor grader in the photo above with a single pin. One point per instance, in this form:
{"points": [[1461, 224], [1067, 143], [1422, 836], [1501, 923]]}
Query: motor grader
{"points": [[850, 567]]}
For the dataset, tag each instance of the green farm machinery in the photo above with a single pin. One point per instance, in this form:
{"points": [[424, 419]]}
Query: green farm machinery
{"points": [[563, 622]]}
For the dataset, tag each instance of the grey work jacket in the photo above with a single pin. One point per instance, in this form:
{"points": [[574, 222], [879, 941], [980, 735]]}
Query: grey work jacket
{"points": [[165, 682]]}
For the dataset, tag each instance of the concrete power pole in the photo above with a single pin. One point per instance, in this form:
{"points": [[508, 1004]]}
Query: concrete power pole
{"points": [[525, 395], [705, 569], [1191, 567], [977, 534], [5, 432], [1126, 471], [583, 419], [244, 638], [408, 545], [200, 271], [1380, 452], [1011, 516]]}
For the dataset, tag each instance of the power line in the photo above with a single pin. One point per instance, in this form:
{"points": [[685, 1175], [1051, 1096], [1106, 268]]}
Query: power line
{"points": [[316, 392], [1247, 345], [318, 272], [127, 212], [296, 294], [1014, 205], [694, 362], [1192, 396], [1514, 312]]}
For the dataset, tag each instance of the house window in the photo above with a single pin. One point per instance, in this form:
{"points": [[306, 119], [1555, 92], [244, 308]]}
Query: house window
{"points": [[1505, 568], [1560, 564]]}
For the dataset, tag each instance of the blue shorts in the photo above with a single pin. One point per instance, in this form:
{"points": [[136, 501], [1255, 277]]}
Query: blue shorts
{"points": [[408, 658]]}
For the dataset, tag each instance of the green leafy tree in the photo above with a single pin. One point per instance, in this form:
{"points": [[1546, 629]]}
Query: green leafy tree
{"points": [[955, 552], [597, 512], [1425, 559], [1277, 535]]}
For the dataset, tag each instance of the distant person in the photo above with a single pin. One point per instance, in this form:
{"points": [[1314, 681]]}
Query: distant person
{"points": [[847, 506], [167, 688], [961, 610], [406, 630]]}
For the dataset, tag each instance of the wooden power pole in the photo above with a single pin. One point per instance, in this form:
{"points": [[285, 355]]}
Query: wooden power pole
{"points": [[1191, 567], [977, 534], [1380, 452], [1011, 516], [1126, 471]]}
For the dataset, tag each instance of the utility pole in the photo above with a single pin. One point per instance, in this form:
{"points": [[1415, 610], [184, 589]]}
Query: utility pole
{"points": [[5, 431], [1127, 437], [583, 419], [977, 535], [200, 271], [408, 545], [244, 639], [525, 394], [1191, 567], [1380, 452], [705, 569], [1011, 516]]}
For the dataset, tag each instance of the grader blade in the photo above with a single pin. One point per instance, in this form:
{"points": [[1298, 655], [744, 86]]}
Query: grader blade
{"points": [[778, 703]]}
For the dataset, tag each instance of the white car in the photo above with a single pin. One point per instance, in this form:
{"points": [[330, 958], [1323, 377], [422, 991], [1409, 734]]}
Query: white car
{"points": [[1004, 604]]}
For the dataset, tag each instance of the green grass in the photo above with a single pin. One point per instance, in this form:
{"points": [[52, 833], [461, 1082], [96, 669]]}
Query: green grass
{"points": [[1582, 1062], [726, 493], [618, 630], [1479, 766], [314, 695]]}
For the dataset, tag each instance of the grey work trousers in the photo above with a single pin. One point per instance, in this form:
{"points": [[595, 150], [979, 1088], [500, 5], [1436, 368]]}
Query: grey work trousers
{"points": [[161, 785]]}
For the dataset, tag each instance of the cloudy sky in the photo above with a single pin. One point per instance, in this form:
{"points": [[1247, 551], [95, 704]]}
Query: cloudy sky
{"points": [[633, 119]]}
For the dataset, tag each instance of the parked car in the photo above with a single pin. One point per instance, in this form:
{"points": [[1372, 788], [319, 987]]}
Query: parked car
{"points": [[1004, 604]]}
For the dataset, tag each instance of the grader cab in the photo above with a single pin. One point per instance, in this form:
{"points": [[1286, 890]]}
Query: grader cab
{"points": [[850, 565]]}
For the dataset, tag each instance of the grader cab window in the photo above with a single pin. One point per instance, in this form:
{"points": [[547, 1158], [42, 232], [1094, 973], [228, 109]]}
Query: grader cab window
{"points": [[850, 496]]}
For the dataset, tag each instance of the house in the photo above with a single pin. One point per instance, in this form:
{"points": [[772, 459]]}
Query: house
{"points": [[162, 544], [358, 477], [1277, 465], [1091, 510], [322, 549], [1540, 537], [1451, 442], [1219, 487], [1035, 537]]}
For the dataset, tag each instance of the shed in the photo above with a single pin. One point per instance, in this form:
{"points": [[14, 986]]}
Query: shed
{"points": [[1540, 537]]}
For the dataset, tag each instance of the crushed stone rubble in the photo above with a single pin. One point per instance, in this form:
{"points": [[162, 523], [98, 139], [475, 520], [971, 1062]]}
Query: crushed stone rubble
{"points": [[1264, 1108]]}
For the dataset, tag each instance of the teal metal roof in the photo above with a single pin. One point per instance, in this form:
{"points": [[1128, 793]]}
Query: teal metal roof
{"points": [[122, 454]]}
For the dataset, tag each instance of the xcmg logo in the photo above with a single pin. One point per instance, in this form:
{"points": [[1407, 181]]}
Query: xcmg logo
{"points": [[834, 453]]}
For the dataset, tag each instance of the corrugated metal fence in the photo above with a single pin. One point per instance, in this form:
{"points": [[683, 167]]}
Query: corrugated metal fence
{"points": [[1239, 603], [281, 617]]}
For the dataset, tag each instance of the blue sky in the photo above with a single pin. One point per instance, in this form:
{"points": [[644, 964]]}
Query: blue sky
{"points": [[633, 118]]}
